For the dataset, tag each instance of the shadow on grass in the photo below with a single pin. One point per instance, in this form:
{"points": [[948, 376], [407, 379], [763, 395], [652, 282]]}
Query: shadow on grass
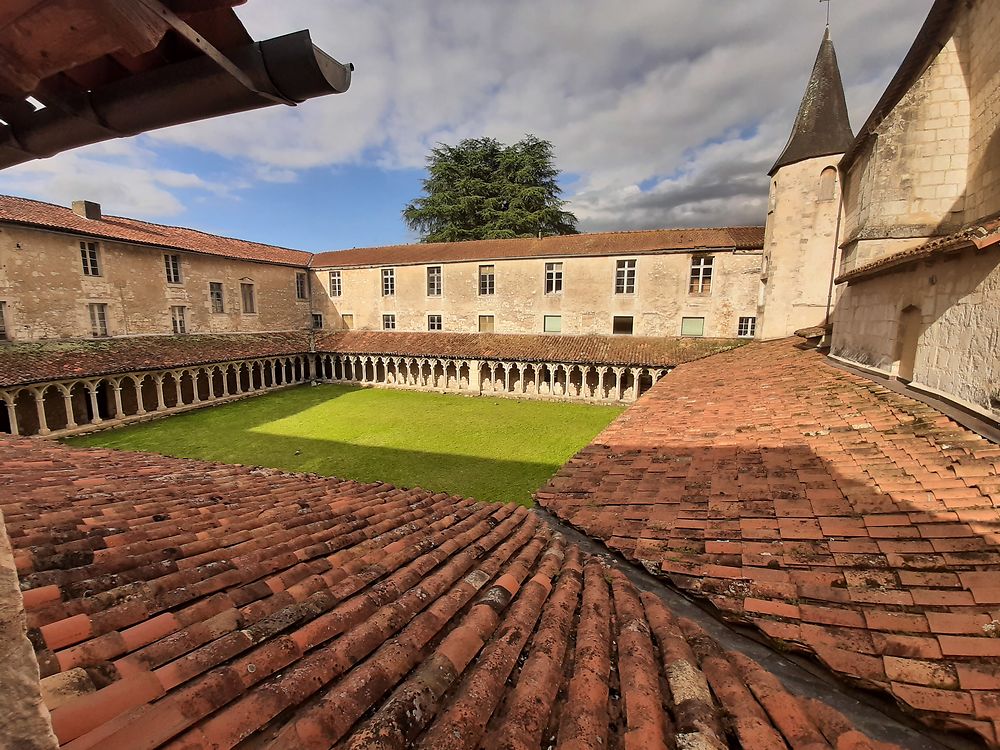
{"points": [[474, 447]]}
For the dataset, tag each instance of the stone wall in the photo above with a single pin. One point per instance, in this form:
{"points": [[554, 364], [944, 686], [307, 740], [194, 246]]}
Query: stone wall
{"points": [[909, 181], [800, 243], [587, 304], [933, 165], [24, 721], [958, 300], [47, 293], [982, 66]]}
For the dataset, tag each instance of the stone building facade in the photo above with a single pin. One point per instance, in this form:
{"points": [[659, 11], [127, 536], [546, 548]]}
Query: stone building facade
{"points": [[658, 283], [803, 213], [64, 275], [919, 279]]}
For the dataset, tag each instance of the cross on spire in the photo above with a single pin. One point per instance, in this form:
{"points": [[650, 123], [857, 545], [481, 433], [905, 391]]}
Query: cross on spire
{"points": [[827, 10]]}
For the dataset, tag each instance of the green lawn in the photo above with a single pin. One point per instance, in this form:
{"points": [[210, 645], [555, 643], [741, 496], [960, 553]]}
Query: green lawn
{"points": [[486, 448]]}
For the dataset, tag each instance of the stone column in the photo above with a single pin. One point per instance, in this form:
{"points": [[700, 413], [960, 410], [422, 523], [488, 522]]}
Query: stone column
{"points": [[8, 402], [43, 425], [195, 396], [160, 403], [224, 371], [140, 408], [177, 389], [67, 394], [476, 376], [117, 389], [95, 411], [620, 383]]}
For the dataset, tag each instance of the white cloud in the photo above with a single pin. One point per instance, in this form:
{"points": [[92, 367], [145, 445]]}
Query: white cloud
{"points": [[123, 175], [659, 92]]}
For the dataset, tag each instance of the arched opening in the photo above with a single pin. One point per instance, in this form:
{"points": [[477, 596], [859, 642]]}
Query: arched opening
{"points": [[645, 382], [828, 184], [907, 340], [187, 387], [55, 408], [80, 398], [27, 416], [244, 374], [4, 418], [217, 381], [129, 397], [169, 391], [232, 378], [147, 389]]}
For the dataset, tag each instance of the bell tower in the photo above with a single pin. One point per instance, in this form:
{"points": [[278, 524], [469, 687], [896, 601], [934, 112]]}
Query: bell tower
{"points": [[803, 213]]}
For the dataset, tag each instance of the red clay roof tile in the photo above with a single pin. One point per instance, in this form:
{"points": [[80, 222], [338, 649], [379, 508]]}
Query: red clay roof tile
{"points": [[610, 350], [309, 611], [14, 210], [38, 362], [597, 243], [767, 460]]}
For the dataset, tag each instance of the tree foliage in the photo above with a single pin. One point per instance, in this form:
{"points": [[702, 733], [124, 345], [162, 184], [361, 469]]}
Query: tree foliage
{"points": [[483, 189]]}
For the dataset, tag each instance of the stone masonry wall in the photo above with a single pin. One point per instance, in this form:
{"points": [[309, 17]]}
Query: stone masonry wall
{"points": [[910, 182], [587, 304], [959, 301], [982, 63], [47, 294], [800, 243]]}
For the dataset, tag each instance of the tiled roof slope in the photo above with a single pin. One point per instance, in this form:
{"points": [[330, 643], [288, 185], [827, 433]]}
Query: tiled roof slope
{"points": [[38, 362], [596, 243], [184, 604], [981, 236], [834, 514], [16, 210], [614, 350]]}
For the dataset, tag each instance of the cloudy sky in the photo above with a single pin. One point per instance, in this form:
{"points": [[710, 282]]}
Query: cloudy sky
{"points": [[662, 113]]}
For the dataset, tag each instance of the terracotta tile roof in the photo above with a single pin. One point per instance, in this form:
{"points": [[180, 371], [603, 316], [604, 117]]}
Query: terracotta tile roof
{"points": [[597, 243], [183, 604], [981, 236], [837, 516], [615, 350], [14, 210], [37, 362]]}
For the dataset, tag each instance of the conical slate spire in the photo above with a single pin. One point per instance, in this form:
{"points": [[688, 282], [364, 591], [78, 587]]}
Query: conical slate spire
{"points": [[822, 126]]}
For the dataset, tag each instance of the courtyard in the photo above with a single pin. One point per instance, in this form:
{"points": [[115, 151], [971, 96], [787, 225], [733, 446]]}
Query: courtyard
{"points": [[491, 449]]}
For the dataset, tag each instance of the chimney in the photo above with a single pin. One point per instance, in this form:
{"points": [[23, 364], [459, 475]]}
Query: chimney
{"points": [[87, 209]]}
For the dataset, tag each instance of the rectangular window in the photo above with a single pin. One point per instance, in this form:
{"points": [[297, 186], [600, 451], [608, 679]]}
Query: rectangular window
{"points": [[747, 327], [434, 323], [388, 282], [625, 277], [701, 275], [173, 266], [433, 281], [623, 325], [692, 326], [88, 254], [98, 319], [216, 296], [389, 322], [301, 286], [248, 298], [487, 280], [552, 323], [335, 284], [317, 320], [348, 321], [486, 324], [553, 278], [178, 319], [3, 321]]}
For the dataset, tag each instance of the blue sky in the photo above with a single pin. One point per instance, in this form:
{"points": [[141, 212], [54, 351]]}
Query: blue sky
{"points": [[662, 113]]}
